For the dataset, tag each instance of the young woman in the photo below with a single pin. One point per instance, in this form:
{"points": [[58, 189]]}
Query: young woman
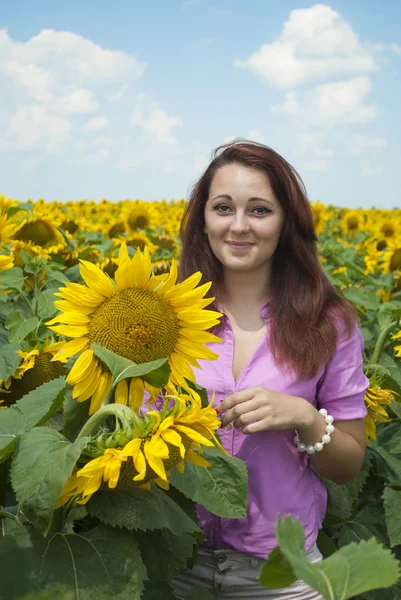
{"points": [[291, 346]]}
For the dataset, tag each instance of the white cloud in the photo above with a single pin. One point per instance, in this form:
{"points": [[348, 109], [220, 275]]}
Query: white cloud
{"points": [[34, 81], [33, 125], [396, 48], [51, 80], [367, 170], [95, 125], [315, 44], [117, 96], [331, 103], [79, 101], [361, 143], [316, 165], [156, 124], [103, 141]]}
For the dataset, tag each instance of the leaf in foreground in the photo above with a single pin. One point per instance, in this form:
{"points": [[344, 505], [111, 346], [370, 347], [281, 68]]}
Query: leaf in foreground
{"points": [[140, 509], [31, 410], [41, 465], [101, 564], [354, 569], [222, 488]]}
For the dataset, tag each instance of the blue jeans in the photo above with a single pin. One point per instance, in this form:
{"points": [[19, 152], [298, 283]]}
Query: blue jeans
{"points": [[229, 575]]}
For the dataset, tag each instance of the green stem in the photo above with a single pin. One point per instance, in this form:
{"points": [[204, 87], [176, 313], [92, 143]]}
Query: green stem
{"points": [[380, 342], [4, 467], [120, 411], [57, 522]]}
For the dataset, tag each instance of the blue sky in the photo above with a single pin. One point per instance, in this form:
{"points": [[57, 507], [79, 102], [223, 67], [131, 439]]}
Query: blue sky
{"points": [[127, 100]]}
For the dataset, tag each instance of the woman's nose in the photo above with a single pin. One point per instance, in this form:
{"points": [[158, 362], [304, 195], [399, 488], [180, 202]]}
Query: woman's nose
{"points": [[239, 223]]}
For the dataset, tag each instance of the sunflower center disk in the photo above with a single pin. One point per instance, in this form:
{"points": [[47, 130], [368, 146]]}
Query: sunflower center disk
{"points": [[137, 324], [395, 262], [39, 232]]}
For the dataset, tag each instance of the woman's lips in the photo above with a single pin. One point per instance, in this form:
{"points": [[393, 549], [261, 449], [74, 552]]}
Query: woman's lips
{"points": [[239, 245]]}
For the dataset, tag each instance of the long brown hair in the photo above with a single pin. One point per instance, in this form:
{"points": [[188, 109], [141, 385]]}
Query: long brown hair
{"points": [[304, 305]]}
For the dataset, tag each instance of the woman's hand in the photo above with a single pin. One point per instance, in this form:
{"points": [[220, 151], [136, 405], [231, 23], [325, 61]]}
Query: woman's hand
{"points": [[261, 409]]}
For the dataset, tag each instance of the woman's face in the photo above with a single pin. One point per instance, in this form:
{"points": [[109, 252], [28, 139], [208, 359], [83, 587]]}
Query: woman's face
{"points": [[243, 218]]}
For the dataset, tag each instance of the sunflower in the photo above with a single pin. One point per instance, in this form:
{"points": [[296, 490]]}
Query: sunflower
{"points": [[139, 239], [114, 228], [164, 440], [352, 222], [141, 215], [40, 231], [140, 316], [375, 400], [392, 257], [36, 367], [397, 336], [7, 228], [168, 246], [6, 262]]}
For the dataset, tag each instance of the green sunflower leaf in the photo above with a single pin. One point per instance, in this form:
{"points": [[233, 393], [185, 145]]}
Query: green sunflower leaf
{"points": [[9, 360], [221, 488], [156, 372], [12, 279], [164, 553], [363, 298], [18, 327], [31, 410], [140, 509], [100, 564], [353, 570], [392, 510], [42, 463]]}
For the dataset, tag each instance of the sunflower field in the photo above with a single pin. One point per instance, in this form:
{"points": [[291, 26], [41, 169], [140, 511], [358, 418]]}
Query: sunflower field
{"points": [[106, 441]]}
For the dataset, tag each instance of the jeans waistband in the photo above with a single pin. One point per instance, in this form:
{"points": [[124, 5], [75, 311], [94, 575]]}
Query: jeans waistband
{"points": [[225, 559]]}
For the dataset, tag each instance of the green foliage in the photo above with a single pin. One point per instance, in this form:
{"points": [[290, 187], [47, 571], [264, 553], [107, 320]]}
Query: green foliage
{"points": [[165, 554], [9, 361], [42, 463], [221, 488], [95, 565], [354, 569], [12, 279], [31, 410], [18, 327], [140, 509], [156, 373]]}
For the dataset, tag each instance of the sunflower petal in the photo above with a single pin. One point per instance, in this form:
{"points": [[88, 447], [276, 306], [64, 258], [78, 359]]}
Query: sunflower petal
{"points": [[96, 280], [81, 367]]}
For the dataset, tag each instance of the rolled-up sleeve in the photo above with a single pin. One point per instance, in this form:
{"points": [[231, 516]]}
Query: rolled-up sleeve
{"points": [[342, 387]]}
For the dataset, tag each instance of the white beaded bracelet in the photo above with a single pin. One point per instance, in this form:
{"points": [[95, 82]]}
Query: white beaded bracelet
{"points": [[326, 438]]}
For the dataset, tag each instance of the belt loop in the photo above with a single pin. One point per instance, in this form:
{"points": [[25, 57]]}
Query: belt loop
{"points": [[254, 561]]}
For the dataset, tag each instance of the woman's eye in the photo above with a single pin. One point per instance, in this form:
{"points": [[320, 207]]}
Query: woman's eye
{"points": [[261, 210], [222, 208]]}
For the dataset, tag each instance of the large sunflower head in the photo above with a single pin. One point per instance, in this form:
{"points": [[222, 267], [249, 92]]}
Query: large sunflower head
{"points": [[36, 367], [137, 315], [150, 447]]}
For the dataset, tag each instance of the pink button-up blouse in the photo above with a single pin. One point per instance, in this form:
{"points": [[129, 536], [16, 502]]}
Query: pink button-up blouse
{"points": [[280, 478]]}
